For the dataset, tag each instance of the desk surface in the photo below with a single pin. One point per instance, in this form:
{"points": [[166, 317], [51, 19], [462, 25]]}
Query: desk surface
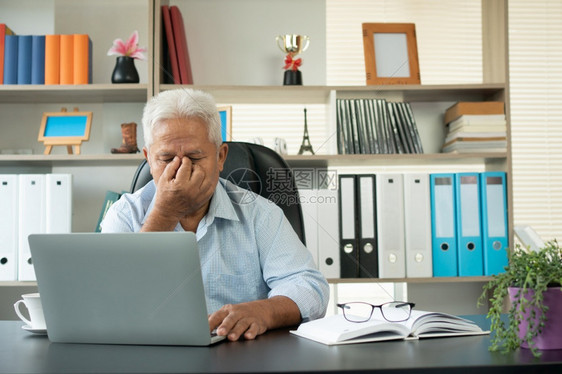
{"points": [[275, 351]]}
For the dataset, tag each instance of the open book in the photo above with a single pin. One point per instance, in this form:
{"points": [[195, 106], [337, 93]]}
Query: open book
{"points": [[337, 330]]}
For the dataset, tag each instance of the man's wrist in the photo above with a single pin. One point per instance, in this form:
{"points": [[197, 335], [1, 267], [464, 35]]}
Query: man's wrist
{"points": [[281, 312], [159, 221]]}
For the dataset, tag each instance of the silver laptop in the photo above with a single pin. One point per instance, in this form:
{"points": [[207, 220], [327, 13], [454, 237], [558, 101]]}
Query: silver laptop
{"points": [[123, 288]]}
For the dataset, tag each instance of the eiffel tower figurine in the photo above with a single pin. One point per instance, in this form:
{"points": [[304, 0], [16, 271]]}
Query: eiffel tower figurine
{"points": [[305, 145]]}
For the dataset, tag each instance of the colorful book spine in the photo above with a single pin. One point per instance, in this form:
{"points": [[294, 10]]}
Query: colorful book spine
{"points": [[494, 221], [181, 45], [172, 53], [11, 59], [67, 59], [443, 225], [469, 224], [24, 59], [52, 59], [38, 59], [4, 30], [110, 198], [82, 59]]}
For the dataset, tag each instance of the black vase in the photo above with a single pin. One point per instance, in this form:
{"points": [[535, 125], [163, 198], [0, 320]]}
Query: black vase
{"points": [[292, 78], [125, 71]]}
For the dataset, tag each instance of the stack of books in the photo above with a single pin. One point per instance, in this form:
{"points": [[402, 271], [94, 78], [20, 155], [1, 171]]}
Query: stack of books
{"points": [[475, 127]]}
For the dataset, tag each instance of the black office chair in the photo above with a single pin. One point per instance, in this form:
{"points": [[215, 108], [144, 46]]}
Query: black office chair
{"points": [[256, 168]]}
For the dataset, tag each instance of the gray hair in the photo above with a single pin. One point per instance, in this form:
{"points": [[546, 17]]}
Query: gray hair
{"points": [[182, 103]]}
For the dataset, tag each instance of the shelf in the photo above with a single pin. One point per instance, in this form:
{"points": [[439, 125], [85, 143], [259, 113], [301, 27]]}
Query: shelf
{"points": [[17, 284], [321, 94], [292, 160], [392, 159], [262, 94], [88, 93], [65, 159], [412, 280], [428, 93]]}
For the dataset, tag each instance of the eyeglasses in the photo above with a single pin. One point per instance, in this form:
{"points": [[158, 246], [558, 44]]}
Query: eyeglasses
{"points": [[394, 311]]}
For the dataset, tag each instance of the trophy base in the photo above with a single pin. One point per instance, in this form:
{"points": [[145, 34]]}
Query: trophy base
{"points": [[292, 78]]}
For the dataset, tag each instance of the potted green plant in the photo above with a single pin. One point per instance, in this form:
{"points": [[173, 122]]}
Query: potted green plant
{"points": [[533, 282]]}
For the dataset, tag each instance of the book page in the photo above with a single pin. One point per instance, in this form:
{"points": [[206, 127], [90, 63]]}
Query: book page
{"points": [[422, 322], [337, 330]]}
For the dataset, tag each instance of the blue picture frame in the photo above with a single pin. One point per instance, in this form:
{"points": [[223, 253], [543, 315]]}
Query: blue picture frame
{"points": [[66, 129]]}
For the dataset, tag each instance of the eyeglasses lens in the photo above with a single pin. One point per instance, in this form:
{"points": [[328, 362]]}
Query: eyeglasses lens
{"points": [[357, 312], [396, 311]]}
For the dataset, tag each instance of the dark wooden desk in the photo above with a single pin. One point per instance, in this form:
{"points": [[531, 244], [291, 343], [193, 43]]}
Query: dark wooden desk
{"points": [[276, 351]]}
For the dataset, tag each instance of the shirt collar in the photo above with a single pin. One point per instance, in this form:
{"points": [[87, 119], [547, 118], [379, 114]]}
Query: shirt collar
{"points": [[221, 206]]}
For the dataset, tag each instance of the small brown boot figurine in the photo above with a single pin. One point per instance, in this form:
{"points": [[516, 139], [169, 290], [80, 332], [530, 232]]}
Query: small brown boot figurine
{"points": [[129, 144]]}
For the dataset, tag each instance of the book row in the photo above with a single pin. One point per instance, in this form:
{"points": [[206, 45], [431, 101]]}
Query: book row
{"points": [[31, 204], [375, 126], [408, 225], [45, 59]]}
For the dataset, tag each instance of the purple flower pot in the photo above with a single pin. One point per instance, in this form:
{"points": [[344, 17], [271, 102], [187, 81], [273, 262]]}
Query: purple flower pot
{"points": [[551, 336]]}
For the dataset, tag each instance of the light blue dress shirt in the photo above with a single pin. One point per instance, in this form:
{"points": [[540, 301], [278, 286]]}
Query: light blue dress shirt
{"points": [[248, 249]]}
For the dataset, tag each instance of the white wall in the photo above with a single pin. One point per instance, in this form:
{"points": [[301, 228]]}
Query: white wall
{"points": [[242, 50]]}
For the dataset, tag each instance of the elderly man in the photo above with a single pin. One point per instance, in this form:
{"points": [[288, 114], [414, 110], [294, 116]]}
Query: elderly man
{"points": [[257, 273]]}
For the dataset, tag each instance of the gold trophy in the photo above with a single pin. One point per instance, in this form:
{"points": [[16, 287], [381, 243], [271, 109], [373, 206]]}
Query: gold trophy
{"points": [[292, 45]]}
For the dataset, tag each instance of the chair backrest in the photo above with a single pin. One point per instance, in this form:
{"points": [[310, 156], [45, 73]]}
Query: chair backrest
{"points": [[256, 168]]}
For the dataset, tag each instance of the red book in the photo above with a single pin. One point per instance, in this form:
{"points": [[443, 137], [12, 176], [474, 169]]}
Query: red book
{"points": [[67, 59], [4, 30], [172, 54], [181, 46], [52, 59]]}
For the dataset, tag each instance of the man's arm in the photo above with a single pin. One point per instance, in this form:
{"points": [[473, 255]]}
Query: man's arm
{"points": [[297, 290], [255, 317]]}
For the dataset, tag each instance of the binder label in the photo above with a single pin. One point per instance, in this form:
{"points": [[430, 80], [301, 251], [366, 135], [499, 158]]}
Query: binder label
{"points": [[348, 214], [367, 208], [496, 211], [445, 206], [470, 207]]}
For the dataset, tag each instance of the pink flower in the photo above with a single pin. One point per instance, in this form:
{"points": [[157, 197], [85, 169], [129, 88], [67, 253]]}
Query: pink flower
{"points": [[130, 48]]}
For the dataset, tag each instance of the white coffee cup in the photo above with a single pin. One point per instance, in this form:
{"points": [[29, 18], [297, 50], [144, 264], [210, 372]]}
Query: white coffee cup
{"points": [[32, 302]]}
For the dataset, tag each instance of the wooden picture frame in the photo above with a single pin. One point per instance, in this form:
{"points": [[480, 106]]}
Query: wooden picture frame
{"points": [[225, 114], [65, 128], [391, 53]]}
